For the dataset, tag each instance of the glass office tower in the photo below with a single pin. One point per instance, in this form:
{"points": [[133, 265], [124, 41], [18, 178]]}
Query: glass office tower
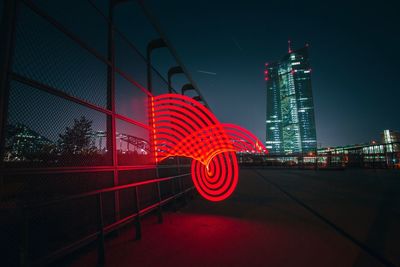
{"points": [[290, 108]]}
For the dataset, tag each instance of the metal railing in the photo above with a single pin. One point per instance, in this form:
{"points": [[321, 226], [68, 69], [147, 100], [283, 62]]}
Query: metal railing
{"points": [[103, 229], [50, 71]]}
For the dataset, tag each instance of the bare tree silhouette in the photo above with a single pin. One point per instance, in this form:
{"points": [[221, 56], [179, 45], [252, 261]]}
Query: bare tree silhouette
{"points": [[78, 138]]}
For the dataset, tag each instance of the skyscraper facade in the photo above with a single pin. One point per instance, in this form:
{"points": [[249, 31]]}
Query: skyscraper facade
{"points": [[290, 106]]}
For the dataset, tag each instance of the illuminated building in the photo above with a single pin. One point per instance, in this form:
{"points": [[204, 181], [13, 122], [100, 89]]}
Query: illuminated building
{"points": [[392, 139], [24, 143], [290, 108]]}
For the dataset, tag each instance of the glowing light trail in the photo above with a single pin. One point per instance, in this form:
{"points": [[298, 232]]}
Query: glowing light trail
{"points": [[184, 127]]}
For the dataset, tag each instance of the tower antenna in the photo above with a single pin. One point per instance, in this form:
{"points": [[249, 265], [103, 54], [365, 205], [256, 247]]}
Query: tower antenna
{"points": [[289, 47]]}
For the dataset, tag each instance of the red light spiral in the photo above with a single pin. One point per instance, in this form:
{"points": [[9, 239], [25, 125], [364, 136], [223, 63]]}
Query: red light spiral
{"points": [[218, 180], [184, 127]]}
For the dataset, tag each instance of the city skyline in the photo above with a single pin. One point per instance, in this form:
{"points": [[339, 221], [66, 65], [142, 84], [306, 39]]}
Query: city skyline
{"points": [[354, 63], [352, 50]]}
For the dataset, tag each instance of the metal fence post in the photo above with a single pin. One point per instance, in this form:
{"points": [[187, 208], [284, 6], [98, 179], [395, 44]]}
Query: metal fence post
{"points": [[183, 191], [7, 37], [138, 226], [174, 192], [111, 124], [100, 219], [177, 183], [24, 241], [160, 217]]}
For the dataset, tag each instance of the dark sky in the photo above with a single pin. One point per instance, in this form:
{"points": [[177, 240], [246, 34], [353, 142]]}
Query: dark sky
{"points": [[225, 44], [354, 56]]}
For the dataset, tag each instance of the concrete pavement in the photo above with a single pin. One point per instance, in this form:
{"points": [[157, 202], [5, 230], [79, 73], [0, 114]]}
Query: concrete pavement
{"points": [[260, 226]]}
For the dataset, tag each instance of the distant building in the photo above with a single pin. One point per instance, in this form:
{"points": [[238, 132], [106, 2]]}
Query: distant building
{"points": [[392, 139], [23, 144], [290, 108]]}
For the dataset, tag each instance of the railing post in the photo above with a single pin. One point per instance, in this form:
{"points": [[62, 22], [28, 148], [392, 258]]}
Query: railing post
{"points": [[178, 162], [160, 217], [111, 121], [138, 226], [24, 241], [101, 247], [7, 37], [174, 192], [183, 191]]}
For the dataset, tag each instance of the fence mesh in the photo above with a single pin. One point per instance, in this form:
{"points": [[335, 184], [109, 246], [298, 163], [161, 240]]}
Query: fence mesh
{"points": [[46, 55], [66, 102], [41, 133]]}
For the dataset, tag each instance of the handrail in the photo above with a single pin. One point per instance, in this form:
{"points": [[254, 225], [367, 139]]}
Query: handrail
{"points": [[74, 169], [107, 230], [102, 229], [101, 191]]}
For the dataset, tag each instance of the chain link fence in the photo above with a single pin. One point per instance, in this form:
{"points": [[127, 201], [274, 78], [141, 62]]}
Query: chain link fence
{"points": [[75, 120]]}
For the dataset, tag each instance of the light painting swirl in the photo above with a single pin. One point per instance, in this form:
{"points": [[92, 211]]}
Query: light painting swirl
{"points": [[184, 127]]}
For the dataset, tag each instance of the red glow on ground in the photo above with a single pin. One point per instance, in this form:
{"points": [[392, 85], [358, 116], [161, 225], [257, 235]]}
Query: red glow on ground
{"points": [[184, 127]]}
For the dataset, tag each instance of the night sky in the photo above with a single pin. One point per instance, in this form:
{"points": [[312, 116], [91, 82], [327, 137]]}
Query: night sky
{"points": [[225, 44], [354, 57]]}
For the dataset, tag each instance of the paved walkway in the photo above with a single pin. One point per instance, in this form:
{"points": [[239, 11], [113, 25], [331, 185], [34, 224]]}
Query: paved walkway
{"points": [[260, 226]]}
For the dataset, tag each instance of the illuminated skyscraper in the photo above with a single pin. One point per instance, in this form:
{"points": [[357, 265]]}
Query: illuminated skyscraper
{"points": [[290, 108]]}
